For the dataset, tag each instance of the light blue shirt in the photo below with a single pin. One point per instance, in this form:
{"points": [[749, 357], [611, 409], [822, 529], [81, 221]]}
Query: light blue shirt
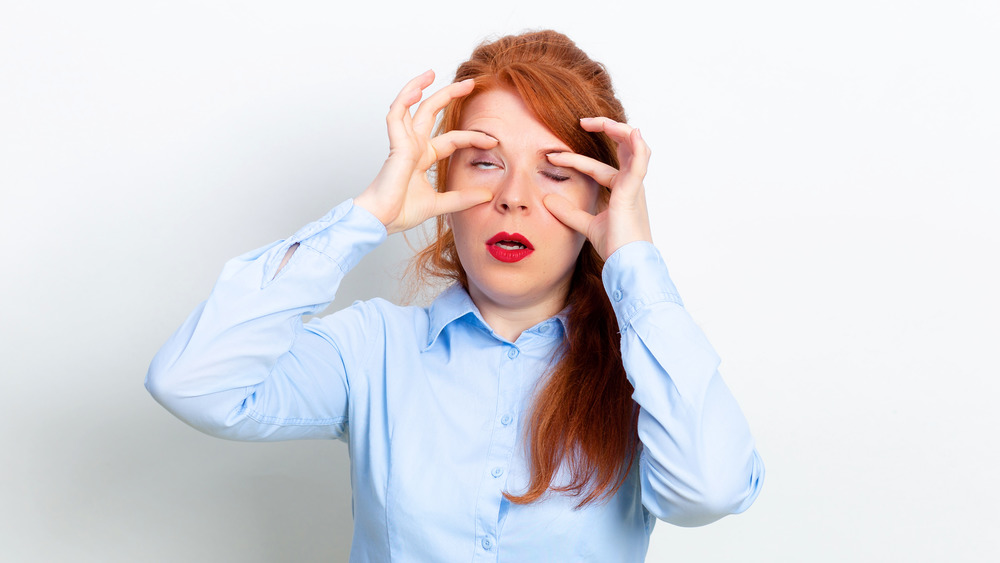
{"points": [[432, 403]]}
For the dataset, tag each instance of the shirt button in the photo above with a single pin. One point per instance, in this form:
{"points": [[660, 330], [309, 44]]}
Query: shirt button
{"points": [[506, 419], [487, 543], [497, 471], [618, 295], [512, 353], [543, 329]]}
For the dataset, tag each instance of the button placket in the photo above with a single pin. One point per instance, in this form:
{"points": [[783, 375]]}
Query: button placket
{"points": [[489, 504]]}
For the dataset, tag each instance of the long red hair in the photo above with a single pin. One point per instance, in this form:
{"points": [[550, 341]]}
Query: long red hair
{"points": [[583, 416]]}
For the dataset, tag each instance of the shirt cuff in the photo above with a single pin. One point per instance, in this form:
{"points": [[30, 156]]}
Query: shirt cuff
{"points": [[344, 235], [636, 277]]}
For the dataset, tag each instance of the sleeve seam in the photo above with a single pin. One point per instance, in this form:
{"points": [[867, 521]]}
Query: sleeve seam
{"points": [[279, 421], [340, 265], [371, 348], [640, 304], [293, 261]]}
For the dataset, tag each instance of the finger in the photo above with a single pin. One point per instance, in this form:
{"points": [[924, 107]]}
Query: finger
{"points": [[618, 131], [633, 152], [602, 173], [426, 114], [399, 110], [447, 143], [460, 200], [621, 133], [568, 214], [410, 93], [638, 159]]}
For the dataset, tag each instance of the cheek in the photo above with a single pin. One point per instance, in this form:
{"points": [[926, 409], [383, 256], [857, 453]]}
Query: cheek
{"points": [[463, 225], [455, 222]]}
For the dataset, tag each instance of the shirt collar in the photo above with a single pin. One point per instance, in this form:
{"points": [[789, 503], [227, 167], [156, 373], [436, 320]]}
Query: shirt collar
{"points": [[455, 303]]}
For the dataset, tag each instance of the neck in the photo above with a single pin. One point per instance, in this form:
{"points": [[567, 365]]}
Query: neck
{"points": [[510, 319]]}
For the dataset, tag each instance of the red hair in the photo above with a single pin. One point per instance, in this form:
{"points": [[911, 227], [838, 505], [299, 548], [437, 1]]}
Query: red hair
{"points": [[583, 416]]}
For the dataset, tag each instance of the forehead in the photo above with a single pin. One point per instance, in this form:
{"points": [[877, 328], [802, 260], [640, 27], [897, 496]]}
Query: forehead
{"points": [[504, 115]]}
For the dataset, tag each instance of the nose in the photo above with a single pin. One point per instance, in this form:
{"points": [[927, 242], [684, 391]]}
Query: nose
{"points": [[516, 194]]}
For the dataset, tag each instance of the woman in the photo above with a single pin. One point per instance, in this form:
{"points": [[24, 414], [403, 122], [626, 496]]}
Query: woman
{"points": [[547, 406]]}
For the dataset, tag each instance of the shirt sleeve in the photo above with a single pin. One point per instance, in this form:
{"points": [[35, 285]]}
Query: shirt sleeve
{"points": [[698, 460], [244, 367]]}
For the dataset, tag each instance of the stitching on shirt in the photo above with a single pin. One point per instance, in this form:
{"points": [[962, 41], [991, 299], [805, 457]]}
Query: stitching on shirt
{"points": [[374, 315], [489, 448], [294, 259], [387, 500], [278, 421], [340, 265], [274, 263], [639, 304]]}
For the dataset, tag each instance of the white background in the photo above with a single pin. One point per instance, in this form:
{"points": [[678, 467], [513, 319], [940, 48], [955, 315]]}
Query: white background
{"points": [[823, 186]]}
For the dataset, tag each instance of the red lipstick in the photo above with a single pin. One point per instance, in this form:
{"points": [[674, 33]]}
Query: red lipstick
{"points": [[507, 247]]}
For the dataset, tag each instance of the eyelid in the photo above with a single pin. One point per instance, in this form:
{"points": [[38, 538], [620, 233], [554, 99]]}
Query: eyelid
{"points": [[484, 158], [557, 173], [482, 154]]}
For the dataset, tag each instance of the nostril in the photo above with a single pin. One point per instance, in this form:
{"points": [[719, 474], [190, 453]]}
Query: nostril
{"points": [[518, 206]]}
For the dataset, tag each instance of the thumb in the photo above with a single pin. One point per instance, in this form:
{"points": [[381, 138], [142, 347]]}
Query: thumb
{"points": [[568, 214], [460, 200]]}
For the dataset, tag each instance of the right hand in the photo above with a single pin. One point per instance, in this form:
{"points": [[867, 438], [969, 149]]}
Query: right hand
{"points": [[400, 196]]}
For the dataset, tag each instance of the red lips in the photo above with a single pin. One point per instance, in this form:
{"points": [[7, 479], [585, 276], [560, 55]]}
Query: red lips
{"points": [[507, 247]]}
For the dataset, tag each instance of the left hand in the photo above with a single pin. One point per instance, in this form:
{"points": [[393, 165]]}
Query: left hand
{"points": [[626, 219]]}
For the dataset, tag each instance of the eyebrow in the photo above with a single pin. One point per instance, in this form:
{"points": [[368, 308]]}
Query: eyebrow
{"points": [[541, 152]]}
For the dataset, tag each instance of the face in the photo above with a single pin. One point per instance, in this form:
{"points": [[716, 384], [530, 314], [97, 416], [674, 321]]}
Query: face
{"points": [[515, 253]]}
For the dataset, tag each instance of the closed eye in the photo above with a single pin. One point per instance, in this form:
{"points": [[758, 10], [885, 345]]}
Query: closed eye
{"points": [[555, 176]]}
